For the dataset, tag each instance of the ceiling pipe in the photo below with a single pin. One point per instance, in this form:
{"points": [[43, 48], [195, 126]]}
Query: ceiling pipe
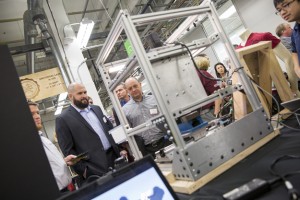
{"points": [[41, 21], [146, 7], [30, 32], [85, 8]]}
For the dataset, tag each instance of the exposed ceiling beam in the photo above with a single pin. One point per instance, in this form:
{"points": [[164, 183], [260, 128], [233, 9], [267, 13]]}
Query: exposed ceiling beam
{"points": [[87, 11], [26, 48], [10, 20], [70, 13]]}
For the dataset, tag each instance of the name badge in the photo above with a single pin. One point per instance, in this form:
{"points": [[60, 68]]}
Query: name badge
{"points": [[153, 111], [104, 119]]}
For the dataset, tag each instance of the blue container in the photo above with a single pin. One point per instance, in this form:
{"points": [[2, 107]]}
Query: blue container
{"points": [[189, 127]]}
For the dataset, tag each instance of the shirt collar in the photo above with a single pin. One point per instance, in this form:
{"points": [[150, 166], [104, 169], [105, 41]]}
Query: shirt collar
{"points": [[87, 109], [40, 133]]}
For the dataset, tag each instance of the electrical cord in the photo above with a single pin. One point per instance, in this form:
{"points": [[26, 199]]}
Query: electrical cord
{"points": [[296, 115], [263, 92], [287, 126], [194, 63], [257, 186], [293, 193], [278, 108]]}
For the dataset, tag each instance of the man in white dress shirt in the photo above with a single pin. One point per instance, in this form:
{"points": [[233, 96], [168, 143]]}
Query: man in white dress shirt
{"points": [[57, 162]]}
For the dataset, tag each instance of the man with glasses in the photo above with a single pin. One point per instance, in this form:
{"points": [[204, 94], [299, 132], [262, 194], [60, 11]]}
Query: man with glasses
{"points": [[290, 11]]}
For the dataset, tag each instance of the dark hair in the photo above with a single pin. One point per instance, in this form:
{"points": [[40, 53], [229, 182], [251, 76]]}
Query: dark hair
{"points": [[219, 63], [276, 2]]}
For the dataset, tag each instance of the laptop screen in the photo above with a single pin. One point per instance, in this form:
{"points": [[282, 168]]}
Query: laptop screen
{"points": [[141, 180]]}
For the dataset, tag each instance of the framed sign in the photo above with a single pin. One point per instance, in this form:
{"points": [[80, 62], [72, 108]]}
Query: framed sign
{"points": [[42, 85]]}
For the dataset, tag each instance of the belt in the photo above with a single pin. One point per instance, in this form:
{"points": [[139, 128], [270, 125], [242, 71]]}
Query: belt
{"points": [[155, 143], [64, 190]]}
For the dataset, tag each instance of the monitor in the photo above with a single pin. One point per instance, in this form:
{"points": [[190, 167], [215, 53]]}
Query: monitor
{"points": [[140, 180], [292, 105]]}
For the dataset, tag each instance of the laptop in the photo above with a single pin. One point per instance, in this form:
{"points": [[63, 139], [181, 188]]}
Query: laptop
{"points": [[292, 105], [141, 180]]}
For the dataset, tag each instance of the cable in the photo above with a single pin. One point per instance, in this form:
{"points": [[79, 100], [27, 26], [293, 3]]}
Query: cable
{"points": [[278, 108], [287, 126], [293, 193], [290, 118], [194, 63], [264, 91]]}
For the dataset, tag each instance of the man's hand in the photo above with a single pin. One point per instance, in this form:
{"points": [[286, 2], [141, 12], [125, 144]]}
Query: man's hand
{"points": [[70, 160], [124, 154]]}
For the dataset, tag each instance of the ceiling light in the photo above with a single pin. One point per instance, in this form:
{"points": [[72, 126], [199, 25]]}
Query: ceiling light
{"points": [[84, 33], [230, 11], [116, 68], [62, 96], [58, 110], [60, 102]]}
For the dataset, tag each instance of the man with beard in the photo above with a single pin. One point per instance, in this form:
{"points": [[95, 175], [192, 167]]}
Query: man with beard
{"points": [[57, 162], [84, 128]]}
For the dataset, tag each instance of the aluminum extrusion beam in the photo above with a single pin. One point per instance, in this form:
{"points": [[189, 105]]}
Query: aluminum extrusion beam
{"points": [[149, 75], [198, 104], [112, 38], [206, 154], [145, 19], [248, 87]]}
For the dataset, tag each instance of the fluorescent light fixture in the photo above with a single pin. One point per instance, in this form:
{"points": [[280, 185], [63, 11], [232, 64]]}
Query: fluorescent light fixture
{"points": [[230, 11], [58, 110], [84, 33], [62, 97], [116, 68], [60, 103]]}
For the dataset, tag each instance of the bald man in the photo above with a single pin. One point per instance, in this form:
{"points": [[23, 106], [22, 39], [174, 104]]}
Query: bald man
{"points": [[84, 128], [138, 110]]}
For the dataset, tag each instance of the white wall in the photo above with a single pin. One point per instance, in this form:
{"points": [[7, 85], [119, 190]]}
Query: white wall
{"points": [[196, 34], [258, 15]]}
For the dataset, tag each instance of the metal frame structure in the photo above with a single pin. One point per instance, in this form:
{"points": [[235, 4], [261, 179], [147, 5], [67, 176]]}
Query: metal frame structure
{"points": [[192, 160]]}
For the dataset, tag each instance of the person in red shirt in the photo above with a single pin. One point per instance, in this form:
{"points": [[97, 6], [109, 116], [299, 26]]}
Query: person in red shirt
{"points": [[254, 38], [209, 83]]}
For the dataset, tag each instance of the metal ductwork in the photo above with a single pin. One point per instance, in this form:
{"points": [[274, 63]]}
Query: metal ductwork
{"points": [[30, 32], [41, 21], [33, 17]]}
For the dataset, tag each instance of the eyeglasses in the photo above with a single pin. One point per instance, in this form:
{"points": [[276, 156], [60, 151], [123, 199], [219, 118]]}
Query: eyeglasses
{"points": [[284, 6]]}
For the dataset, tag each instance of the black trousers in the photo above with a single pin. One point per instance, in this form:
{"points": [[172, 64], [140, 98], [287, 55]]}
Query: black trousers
{"points": [[152, 147]]}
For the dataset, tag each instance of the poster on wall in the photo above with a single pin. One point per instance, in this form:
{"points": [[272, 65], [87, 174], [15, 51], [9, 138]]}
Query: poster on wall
{"points": [[43, 84]]}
